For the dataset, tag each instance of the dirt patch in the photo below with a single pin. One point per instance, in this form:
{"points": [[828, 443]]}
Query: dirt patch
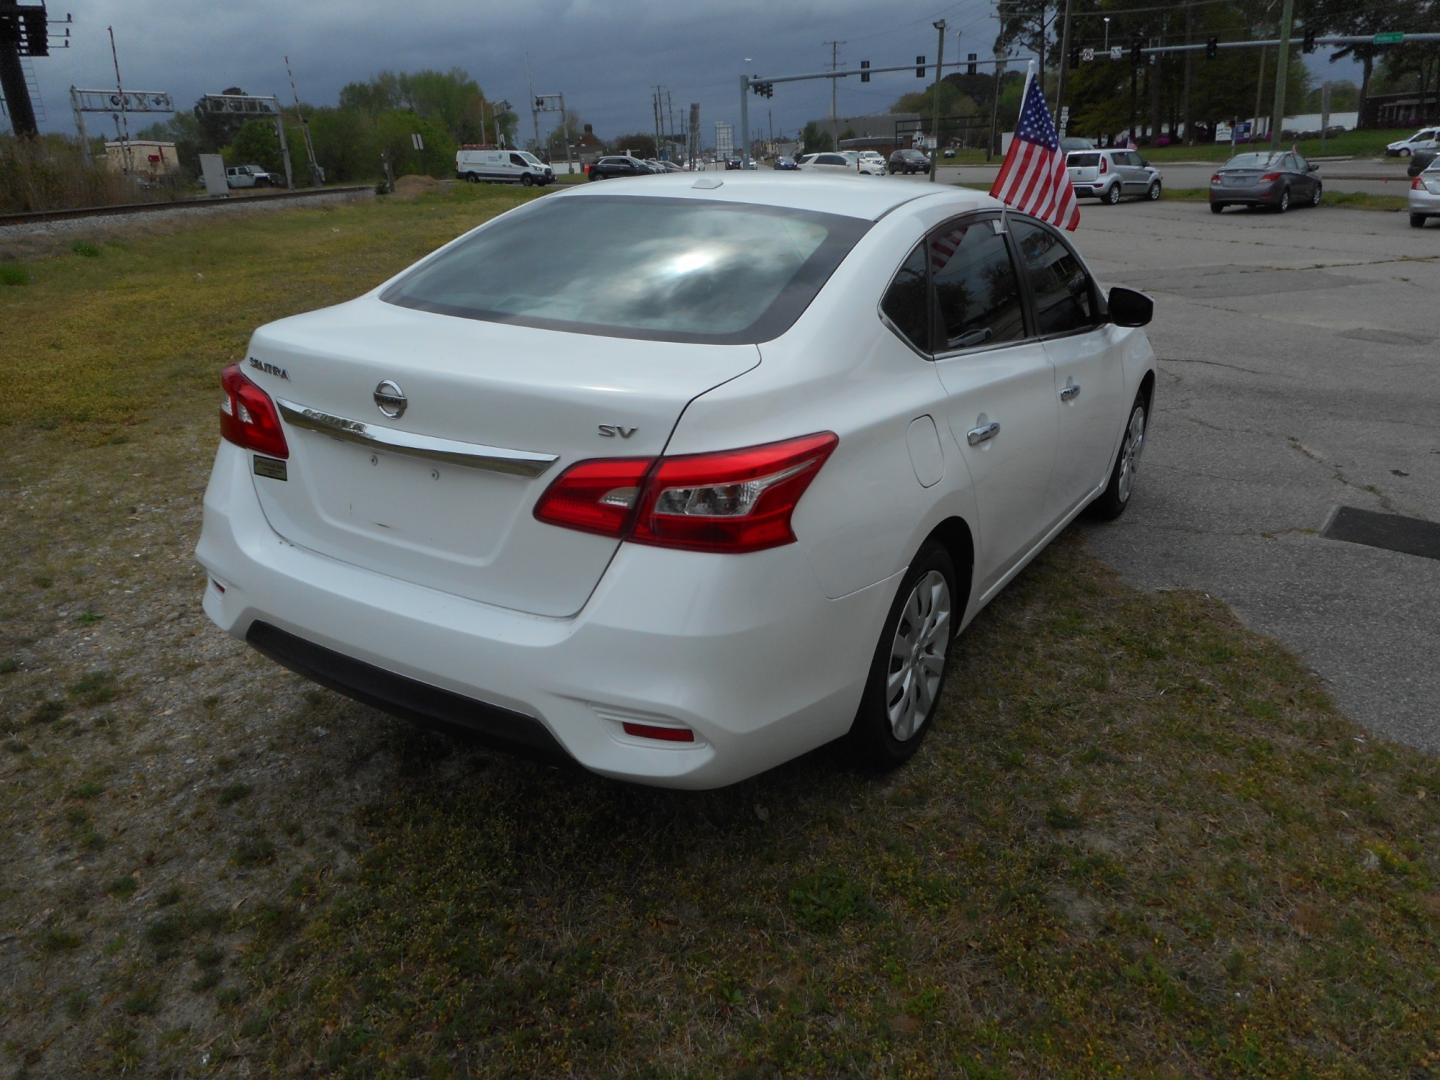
{"points": [[411, 186]]}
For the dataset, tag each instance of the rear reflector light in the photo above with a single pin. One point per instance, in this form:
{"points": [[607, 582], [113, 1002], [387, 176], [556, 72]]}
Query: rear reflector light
{"points": [[248, 417], [733, 501], [1270, 177], [1104, 165], [1215, 178], [654, 731], [1416, 185]]}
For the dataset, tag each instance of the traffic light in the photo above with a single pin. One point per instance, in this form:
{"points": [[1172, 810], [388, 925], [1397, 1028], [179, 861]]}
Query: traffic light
{"points": [[1212, 46], [919, 67], [1074, 58], [1309, 45], [970, 59], [864, 70], [1135, 46], [763, 89], [769, 89], [539, 103]]}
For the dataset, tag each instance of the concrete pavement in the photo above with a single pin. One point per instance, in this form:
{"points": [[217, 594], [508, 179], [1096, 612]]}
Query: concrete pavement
{"points": [[1298, 372]]}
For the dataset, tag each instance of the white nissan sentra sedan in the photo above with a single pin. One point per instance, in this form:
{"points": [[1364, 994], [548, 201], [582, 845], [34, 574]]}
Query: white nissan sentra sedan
{"points": [[678, 477]]}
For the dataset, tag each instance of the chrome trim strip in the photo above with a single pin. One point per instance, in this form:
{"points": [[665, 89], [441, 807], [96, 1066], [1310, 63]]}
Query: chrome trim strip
{"points": [[473, 455]]}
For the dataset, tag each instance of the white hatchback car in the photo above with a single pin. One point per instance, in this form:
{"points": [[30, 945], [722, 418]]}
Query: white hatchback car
{"points": [[830, 162], [688, 521]]}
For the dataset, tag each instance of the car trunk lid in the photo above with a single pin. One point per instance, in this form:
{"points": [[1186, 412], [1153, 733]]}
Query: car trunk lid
{"points": [[441, 493]]}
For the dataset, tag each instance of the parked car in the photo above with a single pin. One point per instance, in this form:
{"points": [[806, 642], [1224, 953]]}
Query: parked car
{"points": [[701, 544], [784, 163], [949, 151], [1425, 195], [908, 161], [829, 162], [247, 176], [805, 159], [733, 163], [868, 162], [1074, 142], [618, 165], [503, 167], [1420, 161], [1424, 139], [1108, 175], [1276, 179]]}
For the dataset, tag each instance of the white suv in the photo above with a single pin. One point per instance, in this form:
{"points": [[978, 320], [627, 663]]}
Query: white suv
{"points": [[1424, 139], [245, 176], [1108, 175]]}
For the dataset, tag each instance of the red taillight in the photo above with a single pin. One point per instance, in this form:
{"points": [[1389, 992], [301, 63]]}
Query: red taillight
{"points": [[248, 417], [1215, 178], [1270, 177], [1104, 165], [733, 501], [1416, 185]]}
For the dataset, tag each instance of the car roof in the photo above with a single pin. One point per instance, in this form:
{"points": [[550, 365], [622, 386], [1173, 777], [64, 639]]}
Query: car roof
{"points": [[827, 194]]}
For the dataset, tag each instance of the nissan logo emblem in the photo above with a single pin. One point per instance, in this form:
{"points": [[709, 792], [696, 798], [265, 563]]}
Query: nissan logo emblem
{"points": [[390, 399]]}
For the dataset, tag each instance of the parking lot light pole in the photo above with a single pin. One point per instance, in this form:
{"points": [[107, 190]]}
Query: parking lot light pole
{"points": [[935, 105], [744, 120]]}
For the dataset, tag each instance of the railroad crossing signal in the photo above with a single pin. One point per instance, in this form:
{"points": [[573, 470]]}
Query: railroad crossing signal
{"points": [[1087, 55], [864, 70], [970, 59], [919, 67]]}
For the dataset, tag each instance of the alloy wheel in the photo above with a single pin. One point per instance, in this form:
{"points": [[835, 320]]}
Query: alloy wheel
{"points": [[1130, 453], [917, 655]]}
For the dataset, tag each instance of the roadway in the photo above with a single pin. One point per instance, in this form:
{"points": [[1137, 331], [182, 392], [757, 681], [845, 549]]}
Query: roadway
{"points": [[1358, 176]]}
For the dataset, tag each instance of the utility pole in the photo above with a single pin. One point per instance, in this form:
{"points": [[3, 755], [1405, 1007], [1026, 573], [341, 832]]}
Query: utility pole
{"points": [[534, 112], [1044, 37], [1259, 91], [995, 105], [565, 126], [935, 105], [744, 120], [655, 103], [834, 121], [1185, 87], [1064, 64], [1282, 70]]}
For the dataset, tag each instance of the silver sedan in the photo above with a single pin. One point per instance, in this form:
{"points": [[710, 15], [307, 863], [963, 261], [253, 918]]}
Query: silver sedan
{"points": [[1425, 195]]}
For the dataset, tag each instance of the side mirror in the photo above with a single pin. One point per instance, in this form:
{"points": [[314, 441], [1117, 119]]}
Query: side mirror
{"points": [[1130, 308], [1312, 167]]}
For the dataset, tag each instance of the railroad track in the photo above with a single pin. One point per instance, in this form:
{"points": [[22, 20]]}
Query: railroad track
{"points": [[37, 216]]}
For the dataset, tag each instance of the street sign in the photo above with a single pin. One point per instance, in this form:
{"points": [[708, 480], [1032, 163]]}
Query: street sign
{"points": [[1389, 37], [1242, 129], [416, 141], [1087, 55], [1116, 52]]}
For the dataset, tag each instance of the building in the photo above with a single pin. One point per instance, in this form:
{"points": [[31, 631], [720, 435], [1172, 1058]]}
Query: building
{"points": [[1408, 109], [142, 157]]}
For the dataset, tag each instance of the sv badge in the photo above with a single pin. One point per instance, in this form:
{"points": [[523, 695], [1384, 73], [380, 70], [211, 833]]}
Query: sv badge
{"points": [[609, 431]]}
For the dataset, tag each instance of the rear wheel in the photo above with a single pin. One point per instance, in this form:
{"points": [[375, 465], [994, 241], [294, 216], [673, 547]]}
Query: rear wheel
{"points": [[1154, 192], [1112, 502], [1284, 203], [527, 180], [1113, 195], [1319, 193], [1417, 221], [1216, 207], [907, 673], [1404, 151]]}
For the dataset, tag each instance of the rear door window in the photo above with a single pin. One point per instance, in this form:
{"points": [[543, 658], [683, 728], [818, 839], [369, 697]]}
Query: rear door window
{"points": [[1083, 161], [977, 295], [907, 301], [1062, 291], [695, 270]]}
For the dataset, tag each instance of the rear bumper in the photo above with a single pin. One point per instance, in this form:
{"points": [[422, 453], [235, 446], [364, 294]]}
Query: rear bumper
{"points": [[746, 651], [1092, 189], [1267, 195], [1424, 202]]}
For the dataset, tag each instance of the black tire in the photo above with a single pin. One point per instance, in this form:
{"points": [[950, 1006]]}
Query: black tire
{"points": [[873, 738], [1284, 203], [1417, 221], [594, 175], [471, 178], [1153, 194], [527, 180], [1404, 151], [1319, 194], [1216, 207], [1116, 496], [1113, 195]]}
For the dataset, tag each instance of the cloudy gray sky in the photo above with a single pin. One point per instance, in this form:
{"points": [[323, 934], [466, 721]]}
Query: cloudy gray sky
{"points": [[604, 55]]}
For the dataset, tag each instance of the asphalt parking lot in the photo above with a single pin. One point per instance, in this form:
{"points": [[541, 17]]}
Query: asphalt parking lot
{"points": [[1298, 374]]}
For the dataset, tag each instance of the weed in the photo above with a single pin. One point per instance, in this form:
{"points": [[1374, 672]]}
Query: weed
{"points": [[9, 665], [11, 274], [233, 793], [88, 618], [820, 902], [169, 897], [142, 1002], [123, 887], [94, 688], [85, 249], [88, 790], [54, 940], [47, 712], [253, 851]]}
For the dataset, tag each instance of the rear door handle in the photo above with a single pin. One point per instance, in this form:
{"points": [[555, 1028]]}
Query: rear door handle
{"points": [[1070, 392], [984, 433]]}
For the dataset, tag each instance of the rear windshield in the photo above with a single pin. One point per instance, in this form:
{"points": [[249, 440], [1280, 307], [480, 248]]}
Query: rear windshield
{"points": [[1251, 161], [1083, 161], [686, 270]]}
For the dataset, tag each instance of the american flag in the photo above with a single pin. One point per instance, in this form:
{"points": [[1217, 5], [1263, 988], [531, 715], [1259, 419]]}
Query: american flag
{"points": [[1033, 177]]}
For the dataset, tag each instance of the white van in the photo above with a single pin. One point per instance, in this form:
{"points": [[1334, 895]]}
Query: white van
{"points": [[502, 166]]}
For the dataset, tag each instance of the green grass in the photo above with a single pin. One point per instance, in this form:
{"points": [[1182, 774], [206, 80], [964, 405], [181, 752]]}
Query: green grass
{"points": [[1140, 840], [1363, 144]]}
